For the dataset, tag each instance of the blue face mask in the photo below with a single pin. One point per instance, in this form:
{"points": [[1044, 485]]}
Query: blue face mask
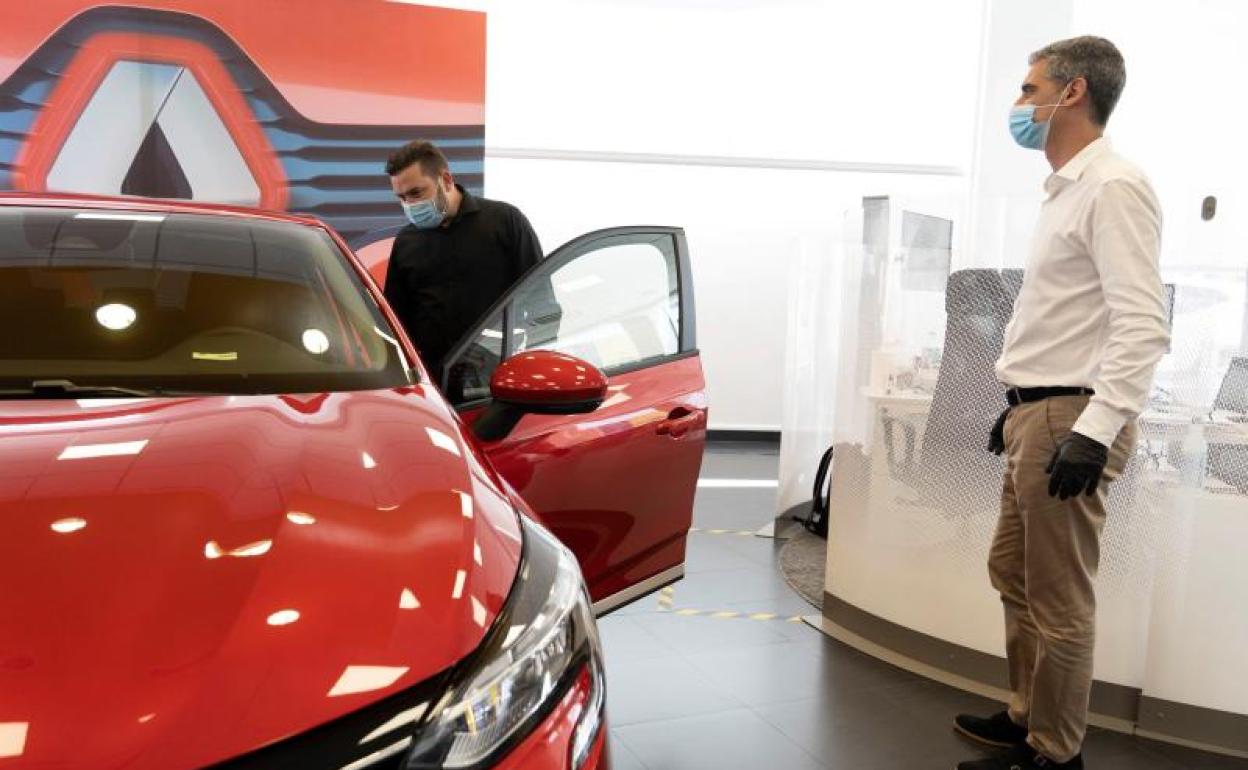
{"points": [[1026, 131], [425, 215]]}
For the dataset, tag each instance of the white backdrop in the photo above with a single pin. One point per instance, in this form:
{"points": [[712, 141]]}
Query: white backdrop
{"points": [[827, 85]]}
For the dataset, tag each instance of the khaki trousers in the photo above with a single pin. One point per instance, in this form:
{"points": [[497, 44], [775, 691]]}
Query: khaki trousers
{"points": [[1043, 561]]}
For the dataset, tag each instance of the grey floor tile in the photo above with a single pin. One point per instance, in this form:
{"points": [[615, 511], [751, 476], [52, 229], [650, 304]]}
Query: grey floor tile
{"points": [[713, 589], [622, 757], [845, 730], [763, 551], [733, 509], [659, 690], [788, 606], [1193, 759], [740, 463], [1114, 751], [704, 553], [734, 740], [766, 675], [624, 639]]}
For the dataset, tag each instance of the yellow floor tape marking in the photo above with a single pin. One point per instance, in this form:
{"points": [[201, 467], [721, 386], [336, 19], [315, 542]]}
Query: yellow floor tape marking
{"points": [[667, 597], [735, 532]]}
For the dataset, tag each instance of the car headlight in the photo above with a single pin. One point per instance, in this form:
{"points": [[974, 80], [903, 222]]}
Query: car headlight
{"points": [[543, 640]]}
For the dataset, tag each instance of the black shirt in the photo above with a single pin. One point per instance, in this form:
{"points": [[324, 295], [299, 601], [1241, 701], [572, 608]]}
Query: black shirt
{"points": [[441, 281]]}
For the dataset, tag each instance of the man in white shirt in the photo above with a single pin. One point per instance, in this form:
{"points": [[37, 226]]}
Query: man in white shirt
{"points": [[1088, 329]]}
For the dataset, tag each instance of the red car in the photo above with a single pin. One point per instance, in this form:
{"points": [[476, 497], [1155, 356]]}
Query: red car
{"points": [[240, 527]]}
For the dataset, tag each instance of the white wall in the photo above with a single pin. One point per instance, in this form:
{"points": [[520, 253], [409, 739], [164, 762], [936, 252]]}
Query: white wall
{"points": [[716, 95]]}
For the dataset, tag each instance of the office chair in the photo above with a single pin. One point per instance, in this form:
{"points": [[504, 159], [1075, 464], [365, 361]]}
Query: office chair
{"points": [[1229, 462]]}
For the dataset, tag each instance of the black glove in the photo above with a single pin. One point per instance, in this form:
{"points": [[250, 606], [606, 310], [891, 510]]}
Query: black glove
{"points": [[1076, 466], [996, 438]]}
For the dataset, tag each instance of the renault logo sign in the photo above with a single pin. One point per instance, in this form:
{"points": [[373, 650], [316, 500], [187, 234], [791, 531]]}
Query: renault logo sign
{"points": [[164, 139], [154, 116]]}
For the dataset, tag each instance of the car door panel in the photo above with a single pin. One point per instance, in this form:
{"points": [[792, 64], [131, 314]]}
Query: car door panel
{"points": [[616, 485]]}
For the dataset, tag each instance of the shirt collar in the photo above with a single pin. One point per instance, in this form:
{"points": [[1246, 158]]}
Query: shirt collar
{"points": [[468, 203], [1073, 170]]}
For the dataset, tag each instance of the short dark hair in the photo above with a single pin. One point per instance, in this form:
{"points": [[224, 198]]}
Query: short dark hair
{"points": [[432, 161], [1094, 59]]}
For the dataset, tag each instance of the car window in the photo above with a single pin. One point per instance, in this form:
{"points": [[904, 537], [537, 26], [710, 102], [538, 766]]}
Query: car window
{"points": [[185, 302], [468, 378], [615, 306]]}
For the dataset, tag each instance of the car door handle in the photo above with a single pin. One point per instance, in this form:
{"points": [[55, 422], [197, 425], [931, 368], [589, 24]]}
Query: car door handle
{"points": [[680, 421]]}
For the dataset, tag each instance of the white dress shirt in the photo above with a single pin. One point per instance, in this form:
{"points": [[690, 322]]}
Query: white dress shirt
{"points": [[1091, 311]]}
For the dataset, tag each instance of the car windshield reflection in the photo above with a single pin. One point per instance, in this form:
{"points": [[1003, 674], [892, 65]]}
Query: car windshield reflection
{"points": [[101, 304]]}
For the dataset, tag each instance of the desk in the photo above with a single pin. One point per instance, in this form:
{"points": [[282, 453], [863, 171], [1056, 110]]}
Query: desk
{"points": [[906, 576], [1218, 428]]}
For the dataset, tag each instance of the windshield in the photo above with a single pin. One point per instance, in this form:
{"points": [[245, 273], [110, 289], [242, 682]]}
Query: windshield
{"points": [[155, 302]]}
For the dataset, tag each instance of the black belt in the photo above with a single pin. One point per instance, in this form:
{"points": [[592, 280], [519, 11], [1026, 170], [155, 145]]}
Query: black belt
{"points": [[1018, 396]]}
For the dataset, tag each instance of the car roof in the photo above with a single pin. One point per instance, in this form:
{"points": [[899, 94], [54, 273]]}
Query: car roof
{"points": [[155, 205]]}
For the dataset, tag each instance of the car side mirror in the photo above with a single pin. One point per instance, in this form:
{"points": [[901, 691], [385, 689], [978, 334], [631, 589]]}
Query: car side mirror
{"points": [[539, 382]]}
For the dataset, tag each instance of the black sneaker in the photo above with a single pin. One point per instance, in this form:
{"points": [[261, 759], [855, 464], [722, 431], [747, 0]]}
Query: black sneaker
{"points": [[1021, 758], [997, 730]]}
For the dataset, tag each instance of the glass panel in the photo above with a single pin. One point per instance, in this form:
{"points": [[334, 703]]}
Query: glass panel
{"points": [[184, 302], [614, 306], [468, 378]]}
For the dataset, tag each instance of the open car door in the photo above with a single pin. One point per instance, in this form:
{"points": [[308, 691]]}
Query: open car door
{"points": [[615, 485]]}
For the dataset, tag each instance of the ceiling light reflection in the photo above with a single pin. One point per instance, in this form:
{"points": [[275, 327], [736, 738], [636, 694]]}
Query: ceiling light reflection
{"points": [[297, 517], [120, 217], [478, 612], [258, 548], [401, 719], [283, 617], [513, 634], [98, 403], [357, 679], [376, 758], [408, 600], [115, 449], [212, 550], [460, 577], [65, 526], [315, 341], [13, 738], [115, 316], [367, 460], [442, 441]]}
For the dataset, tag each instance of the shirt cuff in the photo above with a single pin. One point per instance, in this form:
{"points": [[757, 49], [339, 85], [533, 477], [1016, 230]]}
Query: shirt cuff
{"points": [[1101, 423]]}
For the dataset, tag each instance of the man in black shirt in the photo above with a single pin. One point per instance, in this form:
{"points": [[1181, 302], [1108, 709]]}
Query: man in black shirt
{"points": [[457, 256]]}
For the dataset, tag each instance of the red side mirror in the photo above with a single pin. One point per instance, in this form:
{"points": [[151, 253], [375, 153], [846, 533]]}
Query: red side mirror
{"points": [[547, 382], [539, 382]]}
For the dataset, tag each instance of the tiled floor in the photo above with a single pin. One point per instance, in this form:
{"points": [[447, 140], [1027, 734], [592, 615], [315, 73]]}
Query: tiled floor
{"points": [[706, 693]]}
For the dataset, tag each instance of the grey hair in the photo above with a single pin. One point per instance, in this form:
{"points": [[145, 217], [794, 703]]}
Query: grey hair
{"points": [[1094, 59]]}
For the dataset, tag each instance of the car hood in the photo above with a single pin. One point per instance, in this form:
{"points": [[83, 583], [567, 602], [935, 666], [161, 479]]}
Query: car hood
{"points": [[185, 580]]}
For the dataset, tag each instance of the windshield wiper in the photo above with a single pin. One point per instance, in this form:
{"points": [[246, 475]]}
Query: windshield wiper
{"points": [[67, 389]]}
